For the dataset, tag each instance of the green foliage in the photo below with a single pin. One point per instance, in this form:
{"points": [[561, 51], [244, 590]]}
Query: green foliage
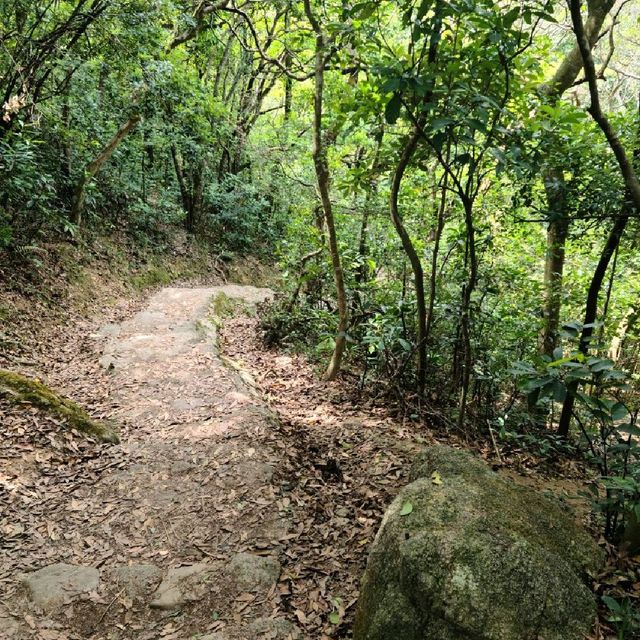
{"points": [[239, 216], [608, 428], [29, 194], [152, 276], [624, 616], [299, 327], [543, 444], [222, 306]]}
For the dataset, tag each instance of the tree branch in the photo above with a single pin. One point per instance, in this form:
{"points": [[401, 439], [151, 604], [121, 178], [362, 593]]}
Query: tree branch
{"points": [[595, 110]]}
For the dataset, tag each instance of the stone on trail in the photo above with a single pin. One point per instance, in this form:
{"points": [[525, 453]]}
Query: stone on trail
{"points": [[53, 586], [274, 629], [8, 624], [254, 473], [463, 553], [137, 579], [254, 572], [181, 586]]}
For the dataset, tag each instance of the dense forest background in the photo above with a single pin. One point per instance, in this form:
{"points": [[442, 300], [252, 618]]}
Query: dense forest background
{"points": [[447, 186]]}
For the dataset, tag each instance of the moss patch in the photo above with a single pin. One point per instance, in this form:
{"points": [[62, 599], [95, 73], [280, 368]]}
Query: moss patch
{"points": [[223, 306], [151, 277], [18, 388]]}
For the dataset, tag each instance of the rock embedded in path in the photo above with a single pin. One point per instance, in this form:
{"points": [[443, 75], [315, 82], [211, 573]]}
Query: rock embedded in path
{"points": [[53, 586], [137, 579], [253, 572], [181, 586], [9, 625], [274, 629], [254, 473], [463, 553]]}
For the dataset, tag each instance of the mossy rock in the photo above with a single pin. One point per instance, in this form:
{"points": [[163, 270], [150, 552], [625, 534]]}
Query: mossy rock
{"points": [[463, 554], [17, 388]]}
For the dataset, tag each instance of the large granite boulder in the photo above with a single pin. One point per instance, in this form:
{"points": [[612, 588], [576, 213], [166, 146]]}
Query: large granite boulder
{"points": [[463, 554]]}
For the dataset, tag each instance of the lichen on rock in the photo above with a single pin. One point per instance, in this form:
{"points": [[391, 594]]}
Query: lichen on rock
{"points": [[17, 388], [476, 557]]}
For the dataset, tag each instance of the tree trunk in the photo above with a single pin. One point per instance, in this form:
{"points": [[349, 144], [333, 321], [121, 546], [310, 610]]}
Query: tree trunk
{"points": [[557, 233], [416, 265], [465, 318], [288, 81], [591, 313], [322, 175], [633, 203], [414, 259], [191, 190], [624, 328], [437, 237], [197, 197], [363, 245], [67, 152], [93, 167], [185, 195], [361, 276], [555, 187], [566, 74]]}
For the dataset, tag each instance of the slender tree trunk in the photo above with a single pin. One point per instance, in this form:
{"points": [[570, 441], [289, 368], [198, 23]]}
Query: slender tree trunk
{"points": [[465, 318], [372, 190], [607, 297], [67, 152], [222, 67], [178, 165], [191, 190], [632, 186], [414, 259], [288, 81], [93, 167], [433, 279], [558, 229], [591, 313], [361, 276], [322, 175], [557, 233], [363, 245], [568, 70], [197, 197], [143, 176], [625, 326]]}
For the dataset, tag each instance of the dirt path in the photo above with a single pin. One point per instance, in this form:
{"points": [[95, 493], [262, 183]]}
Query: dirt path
{"points": [[177, 534]]}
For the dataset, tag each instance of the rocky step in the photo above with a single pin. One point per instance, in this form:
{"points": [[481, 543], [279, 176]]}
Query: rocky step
{"points": [[52, 589]]}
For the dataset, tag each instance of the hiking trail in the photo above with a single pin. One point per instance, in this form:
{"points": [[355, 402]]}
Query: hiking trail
{"points": [[163, 534]]}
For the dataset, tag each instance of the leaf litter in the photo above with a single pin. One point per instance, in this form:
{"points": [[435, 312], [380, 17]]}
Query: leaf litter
{"points": [[310, 486]]}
